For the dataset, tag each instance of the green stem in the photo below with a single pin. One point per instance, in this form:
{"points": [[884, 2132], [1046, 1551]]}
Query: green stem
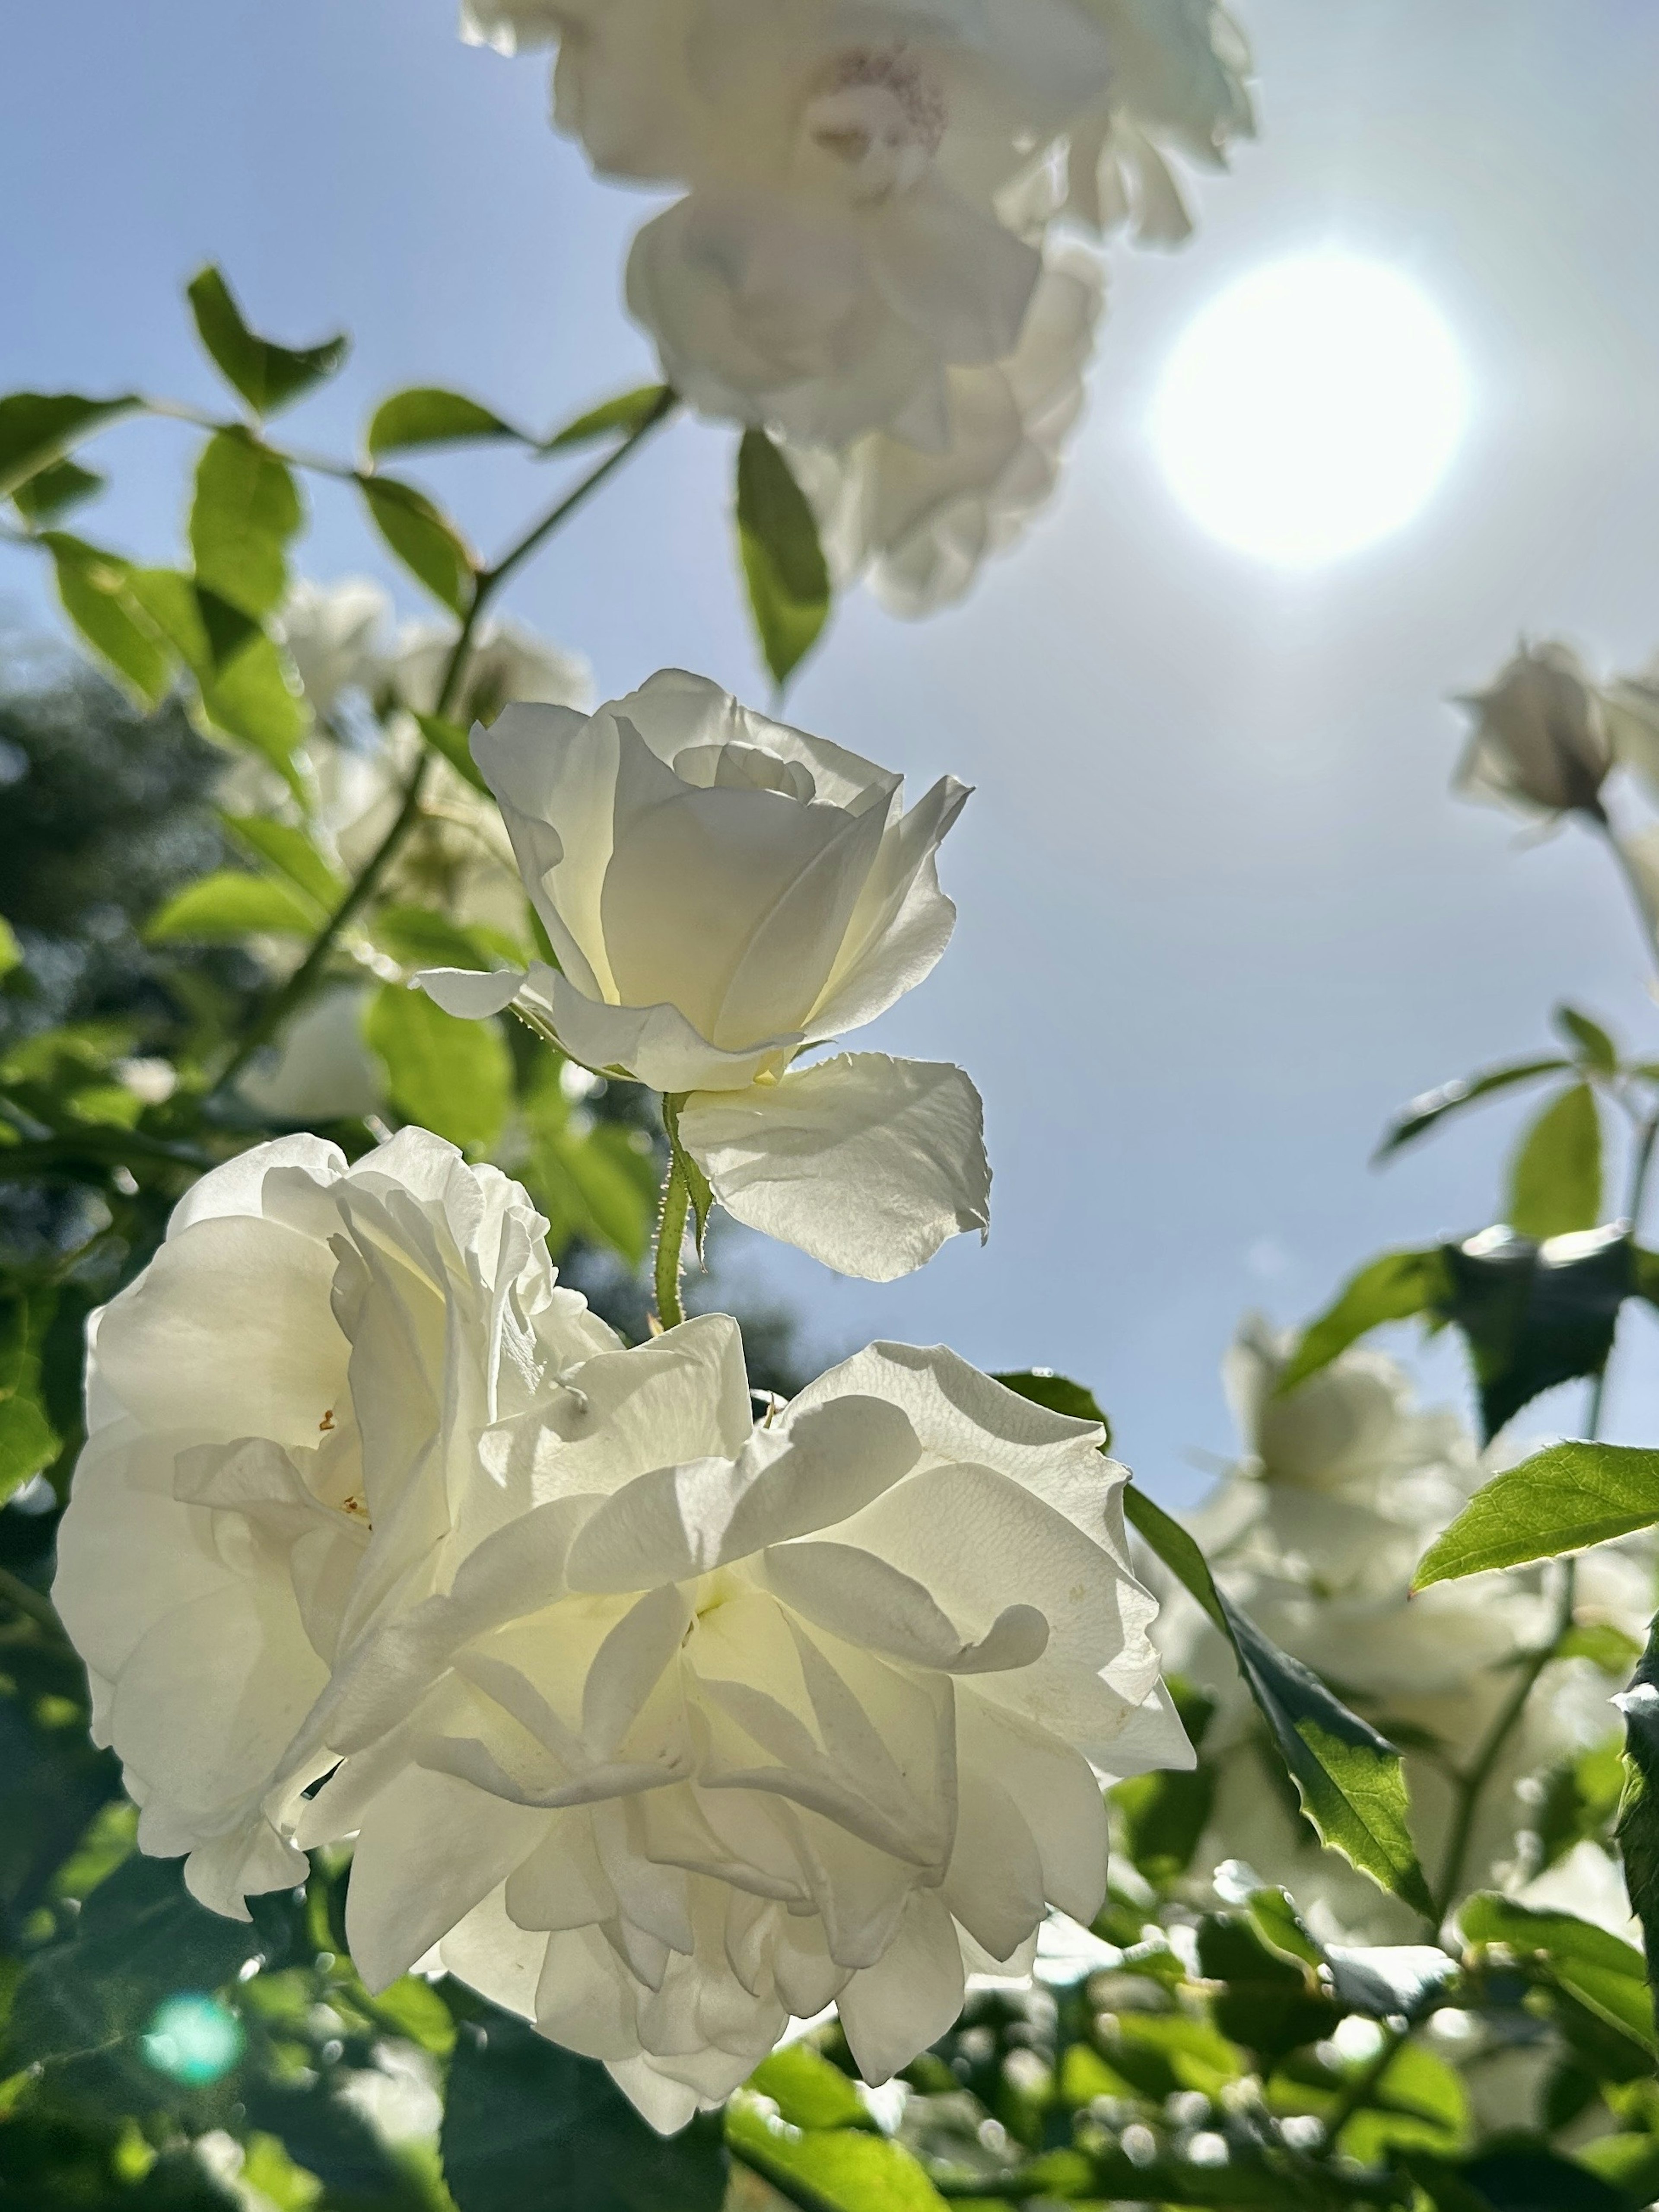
{"points": [[1359, 2088], [486, 584], [18, 1594], [672, 1219], [1633, 884]]}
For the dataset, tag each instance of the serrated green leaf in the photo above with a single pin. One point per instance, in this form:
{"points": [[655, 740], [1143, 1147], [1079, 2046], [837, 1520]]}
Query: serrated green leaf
{"points": [[246, 511], [228, 905], [268, 376], [1350, 1779], [449, 741], [94, 588], [1594, 1046], [1395, 1287], [842, 2169], [450, 1076], [1533, 1316], [424, 540], [783, 562], [1565, 1498], [1555, 1178], [28, 1441], [1602, 1973], [1058, 1392], [1422, 1113], [53, 491], [625, 415], [426, 416], [38, 428], [292, 853]]}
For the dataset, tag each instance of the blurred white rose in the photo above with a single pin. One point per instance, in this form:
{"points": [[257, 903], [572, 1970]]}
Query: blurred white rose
{"points": [[1539, 743], [725, 1723], [283, 1415], [335, 634], [1630, 710], [320, 1069], [917, 525], [721, 892], [506, 662]]}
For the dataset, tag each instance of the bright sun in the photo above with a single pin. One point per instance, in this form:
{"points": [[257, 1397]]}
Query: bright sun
{"points": [[1310, 410]]}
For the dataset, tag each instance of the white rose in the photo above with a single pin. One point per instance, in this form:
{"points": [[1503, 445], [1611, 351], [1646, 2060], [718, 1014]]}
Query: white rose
{"points": [[915, 525], [333, 633], [506, 663], [1540, 742], [725, 1723], [721, 892], [320, 1069], [283, 1415]]}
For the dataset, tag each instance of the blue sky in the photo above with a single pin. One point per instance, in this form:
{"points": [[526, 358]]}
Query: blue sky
{"points": [[1218, 912]]}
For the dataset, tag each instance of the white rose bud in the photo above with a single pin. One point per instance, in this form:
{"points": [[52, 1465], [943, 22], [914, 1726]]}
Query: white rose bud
{"points": [[1540, 742], [722, 891], [727, 1724], [282, 1414]]}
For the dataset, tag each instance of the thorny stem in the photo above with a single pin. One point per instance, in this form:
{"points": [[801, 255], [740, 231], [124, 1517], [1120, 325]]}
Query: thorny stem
{"points": [[672, 1220], [486, 584]]}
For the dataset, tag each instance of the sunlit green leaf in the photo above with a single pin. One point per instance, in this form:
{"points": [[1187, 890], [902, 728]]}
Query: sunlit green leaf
{"points": [[1596, 1968], [629, 413], [808, 2091], [840, 2169], [244, 685], [450, 1076], [416, 937], [11, 952], [55, 489], [95, 589], [291, 851], [1555, 1178], [221, 908], [1271, 2004], [1564, 1498], [424, 540], [1395, 1287], [425, 416], [38, 428], [782, 560], [592, 1179], [28, 1441], [268, 376], [1422, 1113], [1580, 1798], [246, 510]]}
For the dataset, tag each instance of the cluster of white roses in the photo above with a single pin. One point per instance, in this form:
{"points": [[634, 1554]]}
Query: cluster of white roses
{"points": [[1316, 1531], [660, 1725], [865, 257]]}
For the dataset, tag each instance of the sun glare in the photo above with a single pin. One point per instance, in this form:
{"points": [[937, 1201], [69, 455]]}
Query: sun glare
{"points": [[1310, 410]]}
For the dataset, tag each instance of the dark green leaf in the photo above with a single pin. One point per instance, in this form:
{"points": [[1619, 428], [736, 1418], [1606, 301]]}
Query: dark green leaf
{"points": [[1348, 1777], [1423, 1112], [1594, 1046], [1580, 1800], [842, 2169], [1164, 1817], [625, 415], [268, 376], [782, 560], [1534, 1315], [425, 416], [1520, 2175], [1555, 1177], [808, 2091], [597, 1181], [527, 2124], [55, 489], [1628, 2163], [1269, 2003], [28, 1441], [94, 588], [1602, 1973], [1563, 1499], [1395, 1287], [38, 428], [1639, 1808], [451, 1076], [425, 540], [291, 851], [1044, 1388], [449, 740], [417, 938], [246, 511], [228, 905]]}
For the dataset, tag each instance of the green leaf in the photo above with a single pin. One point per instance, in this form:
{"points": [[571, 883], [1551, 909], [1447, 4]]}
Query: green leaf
{"points": [[292, 853], [450, 1076], [417, 938], [1270, 2004], [268, 376], [1638, 1827], [1395, 1287], [1164, 1813], [1534, 1315], [239, 674], [11, 952], [425, 416], [1059, 1394], [1555, 1178], [528, 2124], [1595, 1048], [425, 540], [598, 1182], [28, 1441], [625, 415], [38, 428], [1423, 1112], [1281, 1926], [696, 1182], [95, 589], [1605, 1975], [1564, 1498], [808, 2091], [449, 740], [782, 560], [246, 511], [1349, 1778], [1580, 1798], [229, 904], [842, 2169], [55, 489]]}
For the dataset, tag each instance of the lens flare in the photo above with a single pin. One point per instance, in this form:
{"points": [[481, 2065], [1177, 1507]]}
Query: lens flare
{"points": [[194, 2039]]}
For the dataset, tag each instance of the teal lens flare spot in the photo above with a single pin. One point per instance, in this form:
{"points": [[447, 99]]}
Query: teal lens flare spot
{"points": [[193, 2039]]}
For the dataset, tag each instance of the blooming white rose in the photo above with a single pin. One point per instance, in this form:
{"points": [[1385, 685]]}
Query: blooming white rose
{"points": [[721, 892], [283, 1415], [725, 1723], [1540, 742], [334, 633], [917, 525], [506, 663]]}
